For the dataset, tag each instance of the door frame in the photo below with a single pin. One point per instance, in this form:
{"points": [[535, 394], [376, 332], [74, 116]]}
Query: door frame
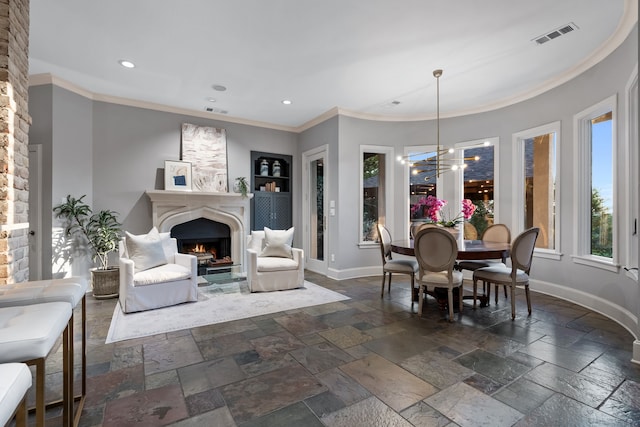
{"points": [[35, 211], [321, 152]]}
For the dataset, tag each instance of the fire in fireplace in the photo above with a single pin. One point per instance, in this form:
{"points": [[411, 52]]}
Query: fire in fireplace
{"points": [[209, 241]]}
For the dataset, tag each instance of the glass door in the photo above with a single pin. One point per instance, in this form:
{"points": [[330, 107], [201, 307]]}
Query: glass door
{"points": [[315, 215]]}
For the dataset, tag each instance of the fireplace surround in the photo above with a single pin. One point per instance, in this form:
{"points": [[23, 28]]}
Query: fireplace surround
{"points": [[172, 208]]}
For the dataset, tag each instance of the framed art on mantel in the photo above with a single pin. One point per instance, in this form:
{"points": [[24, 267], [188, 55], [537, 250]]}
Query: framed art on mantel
{"points": [[177, 175], [206, 148]]}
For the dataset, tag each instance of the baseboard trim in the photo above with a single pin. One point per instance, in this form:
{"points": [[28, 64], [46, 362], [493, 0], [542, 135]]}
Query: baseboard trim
{"points": [[618, 314], [621, 315], [636, 352], [354, 273]]}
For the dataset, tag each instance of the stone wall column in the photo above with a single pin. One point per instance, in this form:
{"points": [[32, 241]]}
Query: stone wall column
{"points": [[14, 150]]}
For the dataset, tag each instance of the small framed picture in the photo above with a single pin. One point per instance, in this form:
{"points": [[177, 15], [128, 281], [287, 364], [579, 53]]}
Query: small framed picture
{"points": [[177, 175]]}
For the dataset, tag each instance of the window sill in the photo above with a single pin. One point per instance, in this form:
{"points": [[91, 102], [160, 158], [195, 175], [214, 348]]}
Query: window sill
{"points": [[369, 245], [547, 254], [601, 263]]}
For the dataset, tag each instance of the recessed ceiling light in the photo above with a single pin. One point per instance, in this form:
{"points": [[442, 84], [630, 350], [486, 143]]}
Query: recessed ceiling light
{"points": [[286, 101], [211, 99], [126, 64], [219, 88]]}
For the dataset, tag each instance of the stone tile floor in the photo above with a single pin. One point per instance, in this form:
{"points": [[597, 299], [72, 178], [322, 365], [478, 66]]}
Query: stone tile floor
{"points": [[366, 362]]}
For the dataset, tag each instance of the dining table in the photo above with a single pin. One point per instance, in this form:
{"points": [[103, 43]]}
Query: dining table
{"points": [[467, 250]]}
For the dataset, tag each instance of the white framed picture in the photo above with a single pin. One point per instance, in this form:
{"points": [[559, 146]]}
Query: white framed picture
{"points": [[177, 175]]}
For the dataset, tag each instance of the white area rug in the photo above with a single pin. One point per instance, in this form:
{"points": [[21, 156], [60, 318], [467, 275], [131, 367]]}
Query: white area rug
{"points": [[216, 304]]}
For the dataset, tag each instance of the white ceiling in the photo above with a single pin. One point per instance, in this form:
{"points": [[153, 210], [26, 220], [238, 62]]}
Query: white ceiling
{"points": [[355, 55]]}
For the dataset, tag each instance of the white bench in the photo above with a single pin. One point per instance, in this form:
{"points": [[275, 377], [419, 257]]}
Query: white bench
{"points": [[69, 289], [28, 334], [15, 381]]}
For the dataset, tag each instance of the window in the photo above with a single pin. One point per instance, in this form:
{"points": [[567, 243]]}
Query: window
{"points": [[633, 177], [375, 182], [596, 187], [479, 180], [421, 182], [537, 187]]}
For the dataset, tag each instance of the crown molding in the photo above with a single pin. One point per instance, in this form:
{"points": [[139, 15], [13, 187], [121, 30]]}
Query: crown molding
{"points": [[50, 79], [626, 25]]}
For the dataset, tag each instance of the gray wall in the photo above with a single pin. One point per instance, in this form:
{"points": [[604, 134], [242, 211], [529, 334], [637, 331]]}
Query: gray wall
{"points": [[126, 148], [560, 104]]}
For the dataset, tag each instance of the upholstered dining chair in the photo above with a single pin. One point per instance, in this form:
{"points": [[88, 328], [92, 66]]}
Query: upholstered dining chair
{"points": [[390, 265], [498, 233], [419, 226], [436, 251], [518, 274]]}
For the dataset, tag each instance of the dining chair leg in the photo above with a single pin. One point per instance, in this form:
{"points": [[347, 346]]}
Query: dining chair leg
{"points": [[505, 291], [488, 286], [513, 302], [496, 291], [420, 299], [526, 291], [475, 292], [384, 277], [460, 298], [389, 287], [413, 277], [450, 305]]}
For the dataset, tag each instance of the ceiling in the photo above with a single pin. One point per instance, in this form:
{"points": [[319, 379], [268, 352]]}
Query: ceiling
{"points": [[370, 58]]}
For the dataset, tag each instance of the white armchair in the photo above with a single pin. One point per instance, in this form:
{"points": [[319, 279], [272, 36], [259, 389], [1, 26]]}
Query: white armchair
{"points": [[273, 268], [154, 274]]}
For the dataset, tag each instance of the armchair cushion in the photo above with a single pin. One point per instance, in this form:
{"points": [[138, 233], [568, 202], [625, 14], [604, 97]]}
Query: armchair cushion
{"points": [[163, 273], [146, 251], [277, 243], [276, 264]]}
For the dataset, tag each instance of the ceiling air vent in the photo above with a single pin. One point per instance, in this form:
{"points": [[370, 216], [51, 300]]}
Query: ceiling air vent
{"points": [[215, 110], [556, 33]]}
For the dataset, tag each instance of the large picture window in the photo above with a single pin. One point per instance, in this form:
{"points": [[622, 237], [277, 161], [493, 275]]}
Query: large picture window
{"points": [[537, 186], [479, 183], [375, 182], [596, 185]]}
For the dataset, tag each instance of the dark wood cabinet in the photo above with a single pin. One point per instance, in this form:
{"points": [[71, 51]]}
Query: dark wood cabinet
{"points": [[271, 187]]}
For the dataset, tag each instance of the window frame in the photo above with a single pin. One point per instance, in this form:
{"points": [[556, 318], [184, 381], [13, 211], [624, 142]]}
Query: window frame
{"points": [[388, 151], [632, 153], [406, 170], [518, 139], [582, 189], [459, 178]]}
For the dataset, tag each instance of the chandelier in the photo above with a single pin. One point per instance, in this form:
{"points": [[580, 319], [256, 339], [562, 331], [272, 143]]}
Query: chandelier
{"points": [[434, 163]]}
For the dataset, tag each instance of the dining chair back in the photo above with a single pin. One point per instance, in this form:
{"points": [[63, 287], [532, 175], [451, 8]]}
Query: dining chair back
{"points": [[390, 265], [436, 251], [498, 233], [518, 274], [420, 226]]}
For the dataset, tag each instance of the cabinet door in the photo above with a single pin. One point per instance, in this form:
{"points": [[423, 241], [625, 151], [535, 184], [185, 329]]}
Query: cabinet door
{"points": [[281, 208], [262, 207]]}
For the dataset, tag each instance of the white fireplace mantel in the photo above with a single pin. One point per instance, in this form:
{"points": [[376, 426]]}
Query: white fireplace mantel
{"points": [[170, 208]]}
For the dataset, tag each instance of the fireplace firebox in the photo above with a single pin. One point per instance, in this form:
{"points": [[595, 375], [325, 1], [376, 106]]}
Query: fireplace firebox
{"points": [[209, 241]]}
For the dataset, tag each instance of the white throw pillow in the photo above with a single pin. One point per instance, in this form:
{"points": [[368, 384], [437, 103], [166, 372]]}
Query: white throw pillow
{"points": [[167, 245], [277, 243], [146, 250], [256, 243]]}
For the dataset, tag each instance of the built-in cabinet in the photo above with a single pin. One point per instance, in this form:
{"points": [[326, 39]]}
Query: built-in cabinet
{"points": [[271, 187]]}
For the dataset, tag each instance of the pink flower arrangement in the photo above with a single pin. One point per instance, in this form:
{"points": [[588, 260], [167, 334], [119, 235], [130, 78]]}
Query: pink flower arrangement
{"points": [[433, 207]]}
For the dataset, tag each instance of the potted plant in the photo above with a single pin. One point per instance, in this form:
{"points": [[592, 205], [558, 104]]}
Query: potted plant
{"points": [[101, 230], [242, 186]]}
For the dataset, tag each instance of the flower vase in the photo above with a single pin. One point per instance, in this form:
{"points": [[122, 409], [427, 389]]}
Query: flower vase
{"points": [[455, 231]]}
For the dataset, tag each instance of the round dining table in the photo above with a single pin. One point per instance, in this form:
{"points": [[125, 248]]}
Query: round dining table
{"points": [[467, 250]]}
